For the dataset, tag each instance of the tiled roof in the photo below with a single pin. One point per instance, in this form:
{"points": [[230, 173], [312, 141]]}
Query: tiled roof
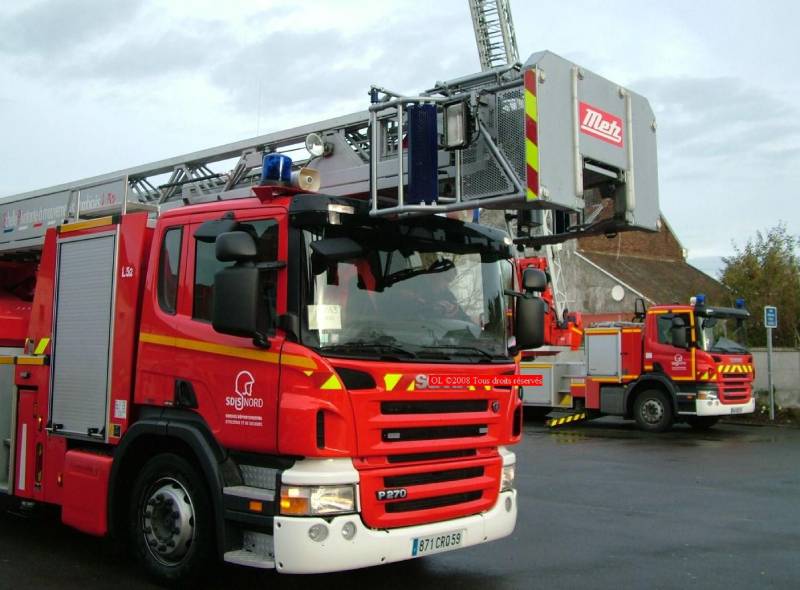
{"points": [[660, 281]]}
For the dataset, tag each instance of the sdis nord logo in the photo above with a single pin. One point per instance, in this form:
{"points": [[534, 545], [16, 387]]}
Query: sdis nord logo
{"points": [[600, 124], [243, 385]]}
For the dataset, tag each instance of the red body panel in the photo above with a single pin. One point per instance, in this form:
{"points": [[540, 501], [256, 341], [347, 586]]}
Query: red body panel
{"points": [[85, 502], [17, 281]]}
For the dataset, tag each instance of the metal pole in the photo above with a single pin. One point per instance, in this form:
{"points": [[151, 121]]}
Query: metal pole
{"points": [[769, 375]]}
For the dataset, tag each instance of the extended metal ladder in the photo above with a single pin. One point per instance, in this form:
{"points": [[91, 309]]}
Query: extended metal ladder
{"points": [[494, 33]]}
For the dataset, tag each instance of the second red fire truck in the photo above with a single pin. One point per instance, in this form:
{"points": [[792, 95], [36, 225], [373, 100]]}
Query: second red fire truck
{"points": [[679, 363]]}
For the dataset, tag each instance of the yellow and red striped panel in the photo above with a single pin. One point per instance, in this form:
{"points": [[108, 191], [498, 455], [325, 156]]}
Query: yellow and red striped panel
{"points": [[531, 135]]}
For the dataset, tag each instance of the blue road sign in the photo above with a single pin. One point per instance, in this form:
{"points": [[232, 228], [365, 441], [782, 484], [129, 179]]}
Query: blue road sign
{"points": [[770, 316]]}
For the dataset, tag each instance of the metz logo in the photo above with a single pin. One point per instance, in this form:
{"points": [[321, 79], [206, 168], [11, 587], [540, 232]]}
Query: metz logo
{"points": [[600, 124]]}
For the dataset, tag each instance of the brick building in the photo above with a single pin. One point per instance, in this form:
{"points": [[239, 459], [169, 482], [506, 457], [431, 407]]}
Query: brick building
{"points": [[603, 277]]}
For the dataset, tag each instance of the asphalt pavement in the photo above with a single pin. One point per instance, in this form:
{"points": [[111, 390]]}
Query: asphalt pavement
{"points": [[601, 506]]}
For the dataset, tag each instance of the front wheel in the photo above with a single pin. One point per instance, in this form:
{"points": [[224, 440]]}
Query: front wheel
{"points": [[653, 411], [702, 422], [171, 522]]}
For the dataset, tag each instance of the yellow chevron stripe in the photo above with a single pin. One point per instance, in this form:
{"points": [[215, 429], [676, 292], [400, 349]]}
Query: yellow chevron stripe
{"points": [[532, 154], [531, 105], [332, 383], [390, 380], [42, 346]]}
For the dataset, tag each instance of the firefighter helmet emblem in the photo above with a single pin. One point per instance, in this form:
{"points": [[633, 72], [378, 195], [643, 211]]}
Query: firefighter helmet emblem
{"points": [[243, 387], [244, 384]]}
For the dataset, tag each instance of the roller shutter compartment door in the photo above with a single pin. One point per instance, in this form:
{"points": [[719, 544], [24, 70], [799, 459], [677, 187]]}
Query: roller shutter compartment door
{"points": [[82, 335]]}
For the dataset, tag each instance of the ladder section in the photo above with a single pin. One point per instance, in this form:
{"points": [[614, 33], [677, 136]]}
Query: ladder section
{"points": [[494, 33], [546, 135]]}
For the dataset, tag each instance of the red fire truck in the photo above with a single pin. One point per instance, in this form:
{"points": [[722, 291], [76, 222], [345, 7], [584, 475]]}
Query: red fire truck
{"points": [[679, 363], [208, 361], [166, 385]]}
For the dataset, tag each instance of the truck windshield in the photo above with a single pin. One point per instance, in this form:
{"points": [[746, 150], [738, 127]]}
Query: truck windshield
{"points": [[396, 297], [720, 334]]}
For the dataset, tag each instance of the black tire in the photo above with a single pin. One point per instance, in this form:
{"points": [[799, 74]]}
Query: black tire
{"points": [[536, 413], [171, 525], [702, 422], [653, 411]]}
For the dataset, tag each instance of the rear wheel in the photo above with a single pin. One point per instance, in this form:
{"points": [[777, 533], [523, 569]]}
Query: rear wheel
{"points": [[653, 411], [702, 422], [171, 526]]}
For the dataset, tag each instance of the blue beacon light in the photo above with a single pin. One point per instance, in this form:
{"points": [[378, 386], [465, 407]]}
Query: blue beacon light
{"points": [[276, 169], [700, 300]]}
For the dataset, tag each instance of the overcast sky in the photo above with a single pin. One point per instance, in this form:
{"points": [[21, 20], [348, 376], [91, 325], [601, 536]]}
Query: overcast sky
{"points": [[90, 86]]}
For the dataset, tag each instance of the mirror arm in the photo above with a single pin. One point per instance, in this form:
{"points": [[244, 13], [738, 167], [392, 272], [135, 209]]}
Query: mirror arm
{"points": [[290, 323], [260, 340]]}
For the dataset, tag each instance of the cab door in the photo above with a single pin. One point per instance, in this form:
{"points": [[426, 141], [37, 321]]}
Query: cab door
{"points": [[228, 380], [678, 363]]}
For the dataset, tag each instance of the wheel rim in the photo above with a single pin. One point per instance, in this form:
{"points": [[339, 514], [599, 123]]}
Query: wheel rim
{"points": [[652, 411], [168, 521]]}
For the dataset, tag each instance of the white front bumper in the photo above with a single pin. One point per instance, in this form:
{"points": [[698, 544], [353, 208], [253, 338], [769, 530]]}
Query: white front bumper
{"points": [[715, 408], [296, 553]]}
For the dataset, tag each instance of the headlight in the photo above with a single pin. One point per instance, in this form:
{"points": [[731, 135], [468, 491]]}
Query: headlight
{"points": [[317, 500], [706, 394], [507, 483]]}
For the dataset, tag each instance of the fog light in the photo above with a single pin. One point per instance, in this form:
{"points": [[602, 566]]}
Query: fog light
{"points": [[507, 481], [508, 504], [349, 530], [318, 533]]}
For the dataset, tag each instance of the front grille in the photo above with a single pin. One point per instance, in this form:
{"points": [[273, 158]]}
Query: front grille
{"points": [[415, 479], [437, 502], [432, 492], [416, 457], [433, 433], [434, 407]]}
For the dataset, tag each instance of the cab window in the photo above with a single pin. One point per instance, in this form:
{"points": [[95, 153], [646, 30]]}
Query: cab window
{"points": [[665, 326], [206, 265], [168, 267]]}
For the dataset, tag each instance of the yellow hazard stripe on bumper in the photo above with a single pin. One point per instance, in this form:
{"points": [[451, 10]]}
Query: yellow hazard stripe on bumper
{"points": [[566, 419]]}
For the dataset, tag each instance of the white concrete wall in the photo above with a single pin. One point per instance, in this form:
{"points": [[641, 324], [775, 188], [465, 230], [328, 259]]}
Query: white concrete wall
{"points": [[785, 374]]}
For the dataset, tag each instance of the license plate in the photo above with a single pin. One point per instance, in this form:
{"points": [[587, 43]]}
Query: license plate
{"points": [[437, 543], [736, 410]]}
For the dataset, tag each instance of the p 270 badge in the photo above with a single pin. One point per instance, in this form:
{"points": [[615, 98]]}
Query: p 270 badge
{"points": [[397, 494]]}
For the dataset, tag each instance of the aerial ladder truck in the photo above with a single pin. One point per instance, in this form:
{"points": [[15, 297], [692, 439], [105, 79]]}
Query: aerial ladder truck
{"points": [[231, 353]]}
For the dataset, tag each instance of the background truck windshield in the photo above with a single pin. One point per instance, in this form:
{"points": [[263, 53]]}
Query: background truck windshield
{"points": [[401, 300], [719, 334]]}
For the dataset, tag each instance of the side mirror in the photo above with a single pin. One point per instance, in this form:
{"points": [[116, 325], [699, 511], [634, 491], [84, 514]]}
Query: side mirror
{"points": [[337, 249], [235, 246], [534, 279], [639, 309], [530, 318], [238, 304]]}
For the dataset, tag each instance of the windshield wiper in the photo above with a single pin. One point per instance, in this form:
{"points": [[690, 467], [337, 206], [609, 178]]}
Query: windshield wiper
{"points": [[356, 346], [471, 349]]}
